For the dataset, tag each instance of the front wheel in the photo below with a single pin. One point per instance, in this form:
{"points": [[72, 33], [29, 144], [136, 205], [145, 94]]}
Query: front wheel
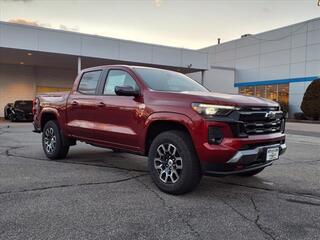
{"points": [[173, 163], [52, 143]]}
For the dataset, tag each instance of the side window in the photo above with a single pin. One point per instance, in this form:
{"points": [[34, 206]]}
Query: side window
{"points": [[118, 78], [89, 82]]}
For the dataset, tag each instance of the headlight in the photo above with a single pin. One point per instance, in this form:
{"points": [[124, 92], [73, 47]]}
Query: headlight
{"points": [[212, 110]]}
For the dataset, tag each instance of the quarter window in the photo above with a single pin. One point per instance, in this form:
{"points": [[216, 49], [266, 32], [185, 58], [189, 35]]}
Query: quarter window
{"points": [[89, 82], [118, 78]]}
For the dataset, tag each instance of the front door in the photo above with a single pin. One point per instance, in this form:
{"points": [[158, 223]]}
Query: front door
{"points": [[120, 115]]}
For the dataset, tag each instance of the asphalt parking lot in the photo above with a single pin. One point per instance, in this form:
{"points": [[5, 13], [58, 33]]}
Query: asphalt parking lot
{"points": [[98, 194]]}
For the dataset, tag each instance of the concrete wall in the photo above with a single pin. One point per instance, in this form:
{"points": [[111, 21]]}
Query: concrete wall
{"points": [[220, 80], [217, 80], [54, 77], [56, 41], [18, 82], [195, 76], [282, 54], [296, 93]]}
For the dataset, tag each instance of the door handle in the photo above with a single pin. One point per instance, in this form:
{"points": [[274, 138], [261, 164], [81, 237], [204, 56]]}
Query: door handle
{"points": [[74, 103], [101, 104]]}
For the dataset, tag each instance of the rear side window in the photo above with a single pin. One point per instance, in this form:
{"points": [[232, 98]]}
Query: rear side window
{"points": [[118, 78], [89, 82]]}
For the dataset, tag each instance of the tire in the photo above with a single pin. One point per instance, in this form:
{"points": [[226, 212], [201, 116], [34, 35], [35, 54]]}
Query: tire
{"points": [[9, 117], [52, 141], [115, 150], [250, 173], [13, 118], [175, 171]]}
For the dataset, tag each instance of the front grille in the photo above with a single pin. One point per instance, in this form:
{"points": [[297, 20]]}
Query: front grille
{"points": [[254, 109], [261, 122], [256, 120]]}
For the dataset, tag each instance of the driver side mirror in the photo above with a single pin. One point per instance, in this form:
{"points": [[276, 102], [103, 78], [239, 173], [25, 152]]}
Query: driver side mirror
{"points": [[126, 91]]}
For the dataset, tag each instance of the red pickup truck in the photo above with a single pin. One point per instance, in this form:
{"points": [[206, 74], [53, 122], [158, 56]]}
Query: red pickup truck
{"points": [[184, 129]]}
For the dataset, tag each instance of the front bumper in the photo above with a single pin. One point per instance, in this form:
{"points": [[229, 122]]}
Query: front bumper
{"points": [[242, 161], [253, 155]]}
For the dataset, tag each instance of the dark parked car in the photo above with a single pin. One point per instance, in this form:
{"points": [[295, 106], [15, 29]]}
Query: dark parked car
{"points": [[8, 110], [22, 111]]}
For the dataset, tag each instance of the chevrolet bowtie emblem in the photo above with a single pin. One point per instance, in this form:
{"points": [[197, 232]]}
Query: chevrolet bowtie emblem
{"points": [[270, 115]]}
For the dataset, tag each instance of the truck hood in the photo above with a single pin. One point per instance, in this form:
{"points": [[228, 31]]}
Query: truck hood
{"points": [[230, 99]]}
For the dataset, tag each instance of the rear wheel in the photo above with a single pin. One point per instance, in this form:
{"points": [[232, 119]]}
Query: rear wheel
{"points": [[250, 173], [173, 163], [52, 141]]}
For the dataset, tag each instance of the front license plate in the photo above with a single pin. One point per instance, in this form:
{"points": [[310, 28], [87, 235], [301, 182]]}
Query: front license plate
{"points": [[272, 154]]}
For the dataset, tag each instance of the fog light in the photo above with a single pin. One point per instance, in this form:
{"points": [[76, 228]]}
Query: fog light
{"points": [[215, 135]]}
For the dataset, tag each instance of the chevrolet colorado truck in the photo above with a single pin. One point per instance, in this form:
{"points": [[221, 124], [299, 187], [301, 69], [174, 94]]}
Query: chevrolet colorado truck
{"points": [[184, 129]]}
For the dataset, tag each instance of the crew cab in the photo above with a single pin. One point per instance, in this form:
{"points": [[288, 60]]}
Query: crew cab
{"points": [[184, 129]]}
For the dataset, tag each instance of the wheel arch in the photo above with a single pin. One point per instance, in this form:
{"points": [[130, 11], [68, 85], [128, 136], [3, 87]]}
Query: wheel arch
{"points": [[161, 122], [48, 115]]}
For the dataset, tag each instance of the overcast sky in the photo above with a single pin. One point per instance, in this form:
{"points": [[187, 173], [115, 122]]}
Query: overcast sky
{"points": [[180, 23]]}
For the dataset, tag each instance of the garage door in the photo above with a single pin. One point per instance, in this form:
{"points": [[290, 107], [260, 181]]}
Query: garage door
{"points": [[45, 89]]}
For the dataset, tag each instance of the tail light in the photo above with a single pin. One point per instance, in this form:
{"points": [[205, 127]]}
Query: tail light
{"points": [[35, 107]]}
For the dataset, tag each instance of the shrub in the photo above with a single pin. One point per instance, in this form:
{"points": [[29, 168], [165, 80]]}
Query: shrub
{"points": [[311, 101]]}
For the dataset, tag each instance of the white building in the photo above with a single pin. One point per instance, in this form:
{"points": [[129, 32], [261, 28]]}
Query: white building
{"points": [[277, 64]]}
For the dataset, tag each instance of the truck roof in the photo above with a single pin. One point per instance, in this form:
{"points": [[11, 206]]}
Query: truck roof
{"points": [[118, 65]]}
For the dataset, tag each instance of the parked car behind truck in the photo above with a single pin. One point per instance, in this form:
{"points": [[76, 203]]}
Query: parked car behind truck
{"points": [[21, 110], [184, 129], [7, 111]]}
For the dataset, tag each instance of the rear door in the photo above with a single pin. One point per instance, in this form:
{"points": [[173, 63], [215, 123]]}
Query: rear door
{"points": [[82, 105]]}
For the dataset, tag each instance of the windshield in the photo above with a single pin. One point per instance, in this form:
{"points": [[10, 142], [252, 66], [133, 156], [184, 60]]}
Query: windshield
{"points": [[168, 81]]}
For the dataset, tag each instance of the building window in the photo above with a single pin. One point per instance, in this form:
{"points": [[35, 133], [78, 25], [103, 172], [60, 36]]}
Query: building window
{"points": [[260, 91], [272, 92], [247, 91], [283, 94], [275, 92]]}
